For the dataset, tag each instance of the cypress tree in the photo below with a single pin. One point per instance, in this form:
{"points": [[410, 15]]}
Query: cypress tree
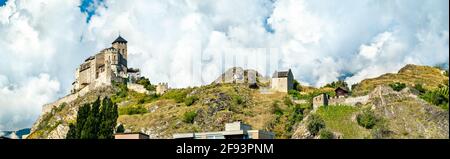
{"points": [[95, 121]]}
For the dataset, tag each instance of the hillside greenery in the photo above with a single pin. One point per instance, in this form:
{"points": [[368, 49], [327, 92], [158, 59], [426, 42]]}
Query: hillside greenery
{"points": [[95, 121]]}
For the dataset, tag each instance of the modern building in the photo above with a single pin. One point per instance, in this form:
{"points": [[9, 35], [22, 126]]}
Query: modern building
{"points": [[138, 135], [235, 130]]}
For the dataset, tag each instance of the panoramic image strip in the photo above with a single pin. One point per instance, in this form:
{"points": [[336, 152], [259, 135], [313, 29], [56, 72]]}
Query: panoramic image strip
{"points": [[224, 69]]}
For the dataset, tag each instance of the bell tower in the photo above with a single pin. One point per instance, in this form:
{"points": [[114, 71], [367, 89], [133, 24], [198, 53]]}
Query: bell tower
{"points": [[121, 45]]}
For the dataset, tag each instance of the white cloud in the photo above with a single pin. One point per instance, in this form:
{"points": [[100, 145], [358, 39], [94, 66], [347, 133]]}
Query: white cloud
{"points": [[21, 104]]}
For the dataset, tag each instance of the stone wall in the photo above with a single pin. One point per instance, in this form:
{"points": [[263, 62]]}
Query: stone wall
{"points": [[324, 100], [280, 84], [162, 88], [67, 99], [138, 88], [320, 100]]}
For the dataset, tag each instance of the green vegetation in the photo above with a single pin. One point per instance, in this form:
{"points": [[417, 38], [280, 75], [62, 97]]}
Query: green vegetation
{"points": [[120, 129], [397, 86], [178, 95], [238, 100], [419, 87], [337, 84], [295, 115], [123, 89], [325, 134], [367, 119], [315, 124], [95, 121], [190, 100], [189, 117], [276, 108], [297, 86], [132, 109], [339, 118], [438, 97], [146, 83], [287, 101]]}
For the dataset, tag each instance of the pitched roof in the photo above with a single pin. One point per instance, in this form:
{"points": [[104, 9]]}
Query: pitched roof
{"points": [[280, 74], [340, 88], [120, 40]]}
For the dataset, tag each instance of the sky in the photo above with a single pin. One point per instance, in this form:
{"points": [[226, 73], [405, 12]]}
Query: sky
{"points": [[191, 42]]}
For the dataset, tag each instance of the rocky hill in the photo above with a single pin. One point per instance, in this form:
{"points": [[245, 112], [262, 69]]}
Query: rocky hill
{"points": [[411, 75], [399, 114], [240, 75]]}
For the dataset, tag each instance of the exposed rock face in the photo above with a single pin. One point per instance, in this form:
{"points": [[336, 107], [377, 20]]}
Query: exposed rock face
{"points": [[238, 75], [407, 115]]}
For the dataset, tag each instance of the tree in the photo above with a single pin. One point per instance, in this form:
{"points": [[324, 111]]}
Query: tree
{"points": [[397, 86], [95, 121], [120, 129], [297, 86], [367, 119], [337, 84], [83, 114], [109, 118], [72, 132], [315, 124], [325, 134]]}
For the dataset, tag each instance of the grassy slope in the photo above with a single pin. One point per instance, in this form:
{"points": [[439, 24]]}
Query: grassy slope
{"points": [[429, 77], [341, 119], [216, 105]]}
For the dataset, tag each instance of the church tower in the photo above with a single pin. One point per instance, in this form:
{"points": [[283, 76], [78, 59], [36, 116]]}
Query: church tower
{"points": [[121, 45]]}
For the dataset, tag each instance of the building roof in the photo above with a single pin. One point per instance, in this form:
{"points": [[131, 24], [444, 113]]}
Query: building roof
{"points": [[133, 70], [120, 40], [343, 89], [281, 74], [89, 58]]}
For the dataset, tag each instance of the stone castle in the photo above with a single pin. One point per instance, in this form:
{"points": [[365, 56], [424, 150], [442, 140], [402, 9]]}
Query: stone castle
{"points": [[109, 65]]}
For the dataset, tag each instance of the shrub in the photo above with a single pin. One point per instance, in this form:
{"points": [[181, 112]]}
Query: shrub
{"points": [[120, 129], [141, 101], [238, 99], [123, 90], [297, 86], [131, 110], [287, 101], [146, 83], [397, 86], [189, 117], [276, 108], [367, 119], [190, 100], [296, 115], [294, 94], [315, 124], [177, 95], [438, 97], [326, 134], [380, 131], [419, 88]]}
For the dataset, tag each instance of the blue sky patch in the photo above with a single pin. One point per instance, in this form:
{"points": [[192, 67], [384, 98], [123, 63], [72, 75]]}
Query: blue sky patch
{"points": [[90, 7], [2, 2]]}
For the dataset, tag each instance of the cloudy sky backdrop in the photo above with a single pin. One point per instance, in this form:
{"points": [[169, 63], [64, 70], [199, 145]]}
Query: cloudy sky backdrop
{"points": [[191, 42]]}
